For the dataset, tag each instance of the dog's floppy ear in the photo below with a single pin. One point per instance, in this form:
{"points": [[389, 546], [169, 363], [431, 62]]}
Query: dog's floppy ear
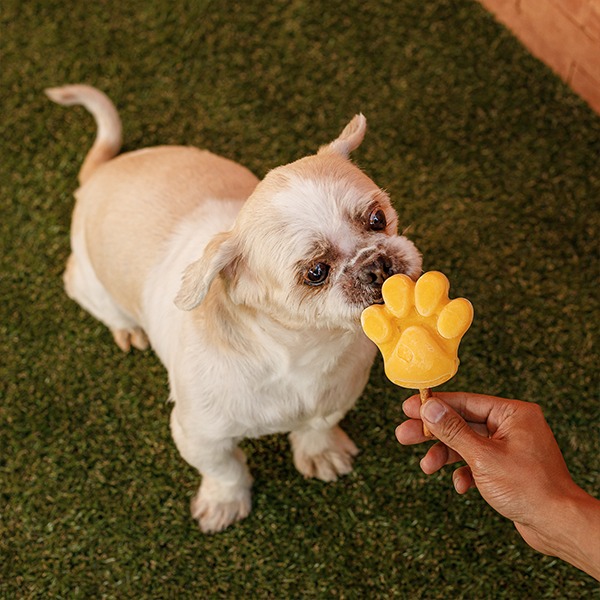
{"points": [[349, 139], [220, 253]]}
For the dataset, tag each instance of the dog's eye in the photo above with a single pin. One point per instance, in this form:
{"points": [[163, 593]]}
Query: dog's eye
{"points": [[377, 220], [317, 274]]}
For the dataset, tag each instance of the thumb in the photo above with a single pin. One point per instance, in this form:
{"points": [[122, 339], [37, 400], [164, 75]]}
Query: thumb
{"points": [[450, 428]]}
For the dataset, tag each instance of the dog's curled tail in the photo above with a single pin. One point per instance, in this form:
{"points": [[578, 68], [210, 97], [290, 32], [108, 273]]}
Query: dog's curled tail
{"points": [[109, 136]]}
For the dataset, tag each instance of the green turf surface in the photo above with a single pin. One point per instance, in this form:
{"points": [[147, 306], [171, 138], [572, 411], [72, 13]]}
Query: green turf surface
{"points": [[493, 166]]}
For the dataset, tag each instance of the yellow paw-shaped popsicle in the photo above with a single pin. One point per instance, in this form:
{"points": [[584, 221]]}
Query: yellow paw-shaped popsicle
{"points": [[418, 329]]}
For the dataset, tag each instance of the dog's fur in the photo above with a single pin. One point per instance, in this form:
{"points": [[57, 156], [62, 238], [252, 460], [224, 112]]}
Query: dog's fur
{"points": [[217, 270]]}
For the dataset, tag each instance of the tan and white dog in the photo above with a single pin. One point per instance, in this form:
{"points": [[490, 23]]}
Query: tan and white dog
{"points": [[250, 292]]}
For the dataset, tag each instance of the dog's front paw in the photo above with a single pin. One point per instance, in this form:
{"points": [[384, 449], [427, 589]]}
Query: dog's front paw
{"points": [[324, 454], [216, 505]]}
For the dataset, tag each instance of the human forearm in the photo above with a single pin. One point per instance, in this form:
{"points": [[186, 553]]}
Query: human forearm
{"points": [[568, 528], [579, 539]]}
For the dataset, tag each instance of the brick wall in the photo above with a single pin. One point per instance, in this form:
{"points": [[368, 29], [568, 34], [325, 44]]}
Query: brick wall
{"points": [[565, 34]]}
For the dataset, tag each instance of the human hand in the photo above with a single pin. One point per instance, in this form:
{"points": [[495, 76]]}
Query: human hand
{"points": [[512, 459]]}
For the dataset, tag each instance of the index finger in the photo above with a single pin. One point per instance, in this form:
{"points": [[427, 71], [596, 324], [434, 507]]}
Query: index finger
{"points": [[476, 408]]}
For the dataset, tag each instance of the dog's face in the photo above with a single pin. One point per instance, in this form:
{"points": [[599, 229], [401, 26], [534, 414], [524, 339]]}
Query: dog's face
{"points": [[312, 245]]}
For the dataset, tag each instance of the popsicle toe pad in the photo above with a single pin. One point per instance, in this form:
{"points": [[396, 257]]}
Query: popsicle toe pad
{"points": [[418, 329]]}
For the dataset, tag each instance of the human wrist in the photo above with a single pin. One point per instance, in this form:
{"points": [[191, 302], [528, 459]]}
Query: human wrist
{"points": [[583, 510], [573, 534]]}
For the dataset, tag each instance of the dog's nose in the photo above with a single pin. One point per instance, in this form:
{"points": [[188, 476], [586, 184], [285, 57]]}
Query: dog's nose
{"points": [[377, 272]]}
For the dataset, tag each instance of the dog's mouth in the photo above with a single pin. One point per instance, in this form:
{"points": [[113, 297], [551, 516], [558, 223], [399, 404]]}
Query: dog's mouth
{"points": [[364, 287], [375, 272]]}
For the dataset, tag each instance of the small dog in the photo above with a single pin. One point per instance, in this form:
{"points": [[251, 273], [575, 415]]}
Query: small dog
{"points": [[249, 291]]}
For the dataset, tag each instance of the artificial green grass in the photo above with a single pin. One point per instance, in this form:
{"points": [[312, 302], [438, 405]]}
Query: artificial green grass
{"points": [[493, 165]]}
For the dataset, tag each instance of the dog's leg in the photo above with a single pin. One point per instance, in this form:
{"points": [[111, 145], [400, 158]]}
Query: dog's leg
{"points": [[322, 451], [82, 285], [125, 338], [224, 494]]}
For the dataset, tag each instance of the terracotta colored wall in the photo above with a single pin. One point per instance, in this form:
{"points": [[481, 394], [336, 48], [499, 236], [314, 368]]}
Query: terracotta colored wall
{"points": [[565, 34]]}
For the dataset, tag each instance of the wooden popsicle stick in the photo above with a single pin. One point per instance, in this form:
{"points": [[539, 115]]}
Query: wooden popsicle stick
{"points": [[425, 394]]}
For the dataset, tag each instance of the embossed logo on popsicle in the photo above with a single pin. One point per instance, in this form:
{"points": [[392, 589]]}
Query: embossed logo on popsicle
{"points": [[418, 329]]}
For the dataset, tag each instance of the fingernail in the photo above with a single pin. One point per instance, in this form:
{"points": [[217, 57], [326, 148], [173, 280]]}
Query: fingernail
{"points": [[433, 411]]}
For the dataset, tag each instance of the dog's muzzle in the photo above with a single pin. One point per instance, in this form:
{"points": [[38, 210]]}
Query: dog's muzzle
{"points": [[377, 271], [366, 273]]}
